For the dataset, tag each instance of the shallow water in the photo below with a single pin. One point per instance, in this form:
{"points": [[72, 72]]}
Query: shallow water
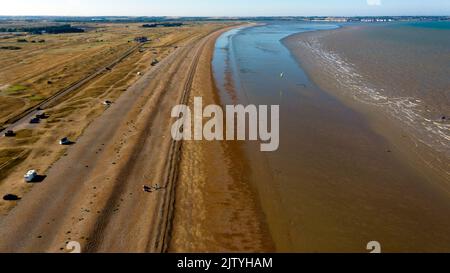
{"points": [[400, 68], [334, 184], [251, 54]]}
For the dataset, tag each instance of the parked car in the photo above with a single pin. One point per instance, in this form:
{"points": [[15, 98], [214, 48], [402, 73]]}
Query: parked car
{"points": [[35, 120], [42, 116], [30, 176], [9, 133], [154, 62], [64, 141]]}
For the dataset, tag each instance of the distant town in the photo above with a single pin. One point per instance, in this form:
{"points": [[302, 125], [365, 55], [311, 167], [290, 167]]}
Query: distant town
{"points": [[371, 19]]}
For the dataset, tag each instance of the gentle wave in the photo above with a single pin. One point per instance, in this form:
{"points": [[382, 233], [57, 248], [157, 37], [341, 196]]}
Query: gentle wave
{"points": [[433, 133]]}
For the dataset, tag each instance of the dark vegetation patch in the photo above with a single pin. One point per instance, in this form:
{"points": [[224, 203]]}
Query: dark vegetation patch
{"points": [[10, 48], [46, 29], [176, 24]]}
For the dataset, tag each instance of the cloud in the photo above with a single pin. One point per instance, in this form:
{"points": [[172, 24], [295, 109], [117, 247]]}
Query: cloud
{"points": [[374, 2]]}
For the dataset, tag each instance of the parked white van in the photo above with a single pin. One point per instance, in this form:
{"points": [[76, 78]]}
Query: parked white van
{"points": [[30, 176]]}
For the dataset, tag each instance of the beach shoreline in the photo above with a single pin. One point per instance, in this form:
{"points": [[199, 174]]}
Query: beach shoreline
{"points": [[216, 207], [336, 183]]}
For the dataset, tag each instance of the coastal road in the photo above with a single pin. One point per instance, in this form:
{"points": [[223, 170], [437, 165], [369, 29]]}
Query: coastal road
{"points": [[94, 194]]}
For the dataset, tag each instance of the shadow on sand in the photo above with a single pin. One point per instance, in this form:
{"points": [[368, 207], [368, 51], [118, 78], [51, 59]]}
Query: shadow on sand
{"points": [[38, 179], [11, 197], [69, 143]]}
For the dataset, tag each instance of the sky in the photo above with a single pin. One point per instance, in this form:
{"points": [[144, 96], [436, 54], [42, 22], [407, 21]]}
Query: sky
{"points": [[224, 7]]}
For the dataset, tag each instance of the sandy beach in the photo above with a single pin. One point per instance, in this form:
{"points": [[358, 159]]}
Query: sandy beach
{"points": [[216, 207], [352, 166], [94, 193]]}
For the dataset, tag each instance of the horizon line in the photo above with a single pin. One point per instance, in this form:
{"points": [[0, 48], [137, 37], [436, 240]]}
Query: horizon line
{"points": [[223, 16]]}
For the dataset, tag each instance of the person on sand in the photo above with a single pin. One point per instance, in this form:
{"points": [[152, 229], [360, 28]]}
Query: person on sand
{"points": [[147, 188]]}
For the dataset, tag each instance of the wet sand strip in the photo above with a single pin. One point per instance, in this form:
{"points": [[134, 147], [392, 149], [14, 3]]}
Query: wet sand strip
{"points": [[216, 208]]}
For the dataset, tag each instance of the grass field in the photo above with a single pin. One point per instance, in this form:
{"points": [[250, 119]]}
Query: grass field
{"points": [[39, 69]]}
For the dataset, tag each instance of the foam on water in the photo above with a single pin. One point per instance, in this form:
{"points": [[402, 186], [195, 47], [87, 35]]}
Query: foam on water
{"points": [[433, 133]]}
